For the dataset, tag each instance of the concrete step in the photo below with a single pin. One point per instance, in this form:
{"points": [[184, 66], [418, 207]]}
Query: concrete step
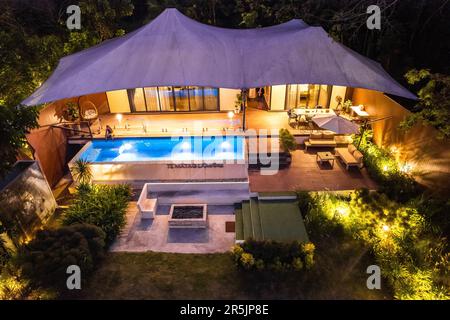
{"points": [[247, 220], [256, 220], [239, 225]]}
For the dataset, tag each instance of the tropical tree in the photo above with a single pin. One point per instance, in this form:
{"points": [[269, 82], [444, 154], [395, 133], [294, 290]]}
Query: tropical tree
{"points": [[15, 123], [434, 101], [81, 171]]}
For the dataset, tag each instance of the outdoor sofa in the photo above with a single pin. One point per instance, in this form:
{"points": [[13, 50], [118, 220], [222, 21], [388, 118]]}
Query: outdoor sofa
{"points": [[350, 156], [320, 140]]}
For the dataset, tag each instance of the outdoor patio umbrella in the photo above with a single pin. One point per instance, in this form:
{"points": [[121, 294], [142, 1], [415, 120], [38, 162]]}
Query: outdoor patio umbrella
{"points": [[336, 124]]}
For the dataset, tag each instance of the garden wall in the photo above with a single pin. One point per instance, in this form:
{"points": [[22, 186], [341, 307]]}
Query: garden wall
{"points": [[50, 144], [26, 201], [429, 156]]}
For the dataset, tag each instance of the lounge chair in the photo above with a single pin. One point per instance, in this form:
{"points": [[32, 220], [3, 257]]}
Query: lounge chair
{"points": [[350, 156]]}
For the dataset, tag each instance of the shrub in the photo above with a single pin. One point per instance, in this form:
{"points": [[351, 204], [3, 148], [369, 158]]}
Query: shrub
{"points": [[45, 259], [304, 199], [101, 205], [272, 255], [287, 140], [385, 170], [247, 261], [413, 259]]}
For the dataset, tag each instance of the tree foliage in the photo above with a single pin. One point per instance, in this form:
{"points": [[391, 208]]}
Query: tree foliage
{"points": [[15, 123], [434, 105]]}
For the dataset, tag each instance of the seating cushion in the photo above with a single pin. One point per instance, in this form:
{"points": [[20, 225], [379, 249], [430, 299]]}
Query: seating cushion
{"points": [[358, 156], [315, 136], [329, 136], [351, 148], [346, 156], [322, 142]]}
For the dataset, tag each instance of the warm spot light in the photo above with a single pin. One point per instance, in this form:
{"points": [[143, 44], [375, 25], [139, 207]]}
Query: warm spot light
{"points": [[406, 168], [385, 168], [386, 228], [394, 149], [230, 115], [341, 210], [119, 117]]}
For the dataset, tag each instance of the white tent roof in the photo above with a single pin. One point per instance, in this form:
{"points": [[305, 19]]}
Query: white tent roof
{"points": [[176, 50]]}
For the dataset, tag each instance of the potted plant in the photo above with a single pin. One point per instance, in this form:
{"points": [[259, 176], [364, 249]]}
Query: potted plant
{"points": [[71, 112], [347, 105]]}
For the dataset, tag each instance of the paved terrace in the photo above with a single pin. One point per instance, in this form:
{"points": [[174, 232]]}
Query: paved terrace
{"points": [[306, 174], [155, 235], [303, 174]]}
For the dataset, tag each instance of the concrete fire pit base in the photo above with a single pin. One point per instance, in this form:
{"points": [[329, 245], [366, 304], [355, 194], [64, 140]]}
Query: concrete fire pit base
{"points": [[188, 216]]}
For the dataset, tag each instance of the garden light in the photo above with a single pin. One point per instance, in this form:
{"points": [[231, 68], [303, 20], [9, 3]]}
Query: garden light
{"points": [[386, 228], [230, 115], [342, 211], [119, 117], [406, 168]]}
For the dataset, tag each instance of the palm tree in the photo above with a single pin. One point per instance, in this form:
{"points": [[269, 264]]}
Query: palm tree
{"points": [[81, 171]]}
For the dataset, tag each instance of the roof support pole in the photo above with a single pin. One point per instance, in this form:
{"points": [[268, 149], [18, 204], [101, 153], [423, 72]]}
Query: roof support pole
{"points": [[244, 101]]}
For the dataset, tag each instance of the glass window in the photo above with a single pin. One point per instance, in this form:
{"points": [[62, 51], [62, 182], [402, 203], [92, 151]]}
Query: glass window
{"points": [[118, 101], [166, 98], [137, 100], [181, 98], [151, 98], [196, 98], [211, 96]]}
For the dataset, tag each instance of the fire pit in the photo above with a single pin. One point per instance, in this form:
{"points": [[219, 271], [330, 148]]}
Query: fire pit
{"points": [[188, 216]]}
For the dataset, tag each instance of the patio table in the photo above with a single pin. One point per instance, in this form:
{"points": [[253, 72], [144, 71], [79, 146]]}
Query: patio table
{"points": [[321, 157], [313, 112]]}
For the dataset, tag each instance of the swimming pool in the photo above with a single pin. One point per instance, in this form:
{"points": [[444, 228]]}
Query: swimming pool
{"points": [[189, 148]]}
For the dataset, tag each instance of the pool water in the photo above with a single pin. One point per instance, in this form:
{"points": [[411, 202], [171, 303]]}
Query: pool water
{"points": [[214, 148]]}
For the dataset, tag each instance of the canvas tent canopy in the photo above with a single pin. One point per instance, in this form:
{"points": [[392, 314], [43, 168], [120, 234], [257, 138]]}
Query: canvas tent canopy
{"points": [[174, 50]]}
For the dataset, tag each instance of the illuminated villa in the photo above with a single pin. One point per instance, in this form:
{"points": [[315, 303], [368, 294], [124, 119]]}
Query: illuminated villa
{"points": [[178, 78]]}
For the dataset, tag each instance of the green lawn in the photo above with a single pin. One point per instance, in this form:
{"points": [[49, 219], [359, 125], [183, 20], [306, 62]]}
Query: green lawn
{"points": [[339, 273], [282, 221]]}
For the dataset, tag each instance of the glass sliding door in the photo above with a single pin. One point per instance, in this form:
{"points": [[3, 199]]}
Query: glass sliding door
{"points": [[181, 98], [137, 100], [313, 95], [166, 99], [171, 99], [196, 98], [211, 98], [307, 96], [151, 98], [291, 96]]}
